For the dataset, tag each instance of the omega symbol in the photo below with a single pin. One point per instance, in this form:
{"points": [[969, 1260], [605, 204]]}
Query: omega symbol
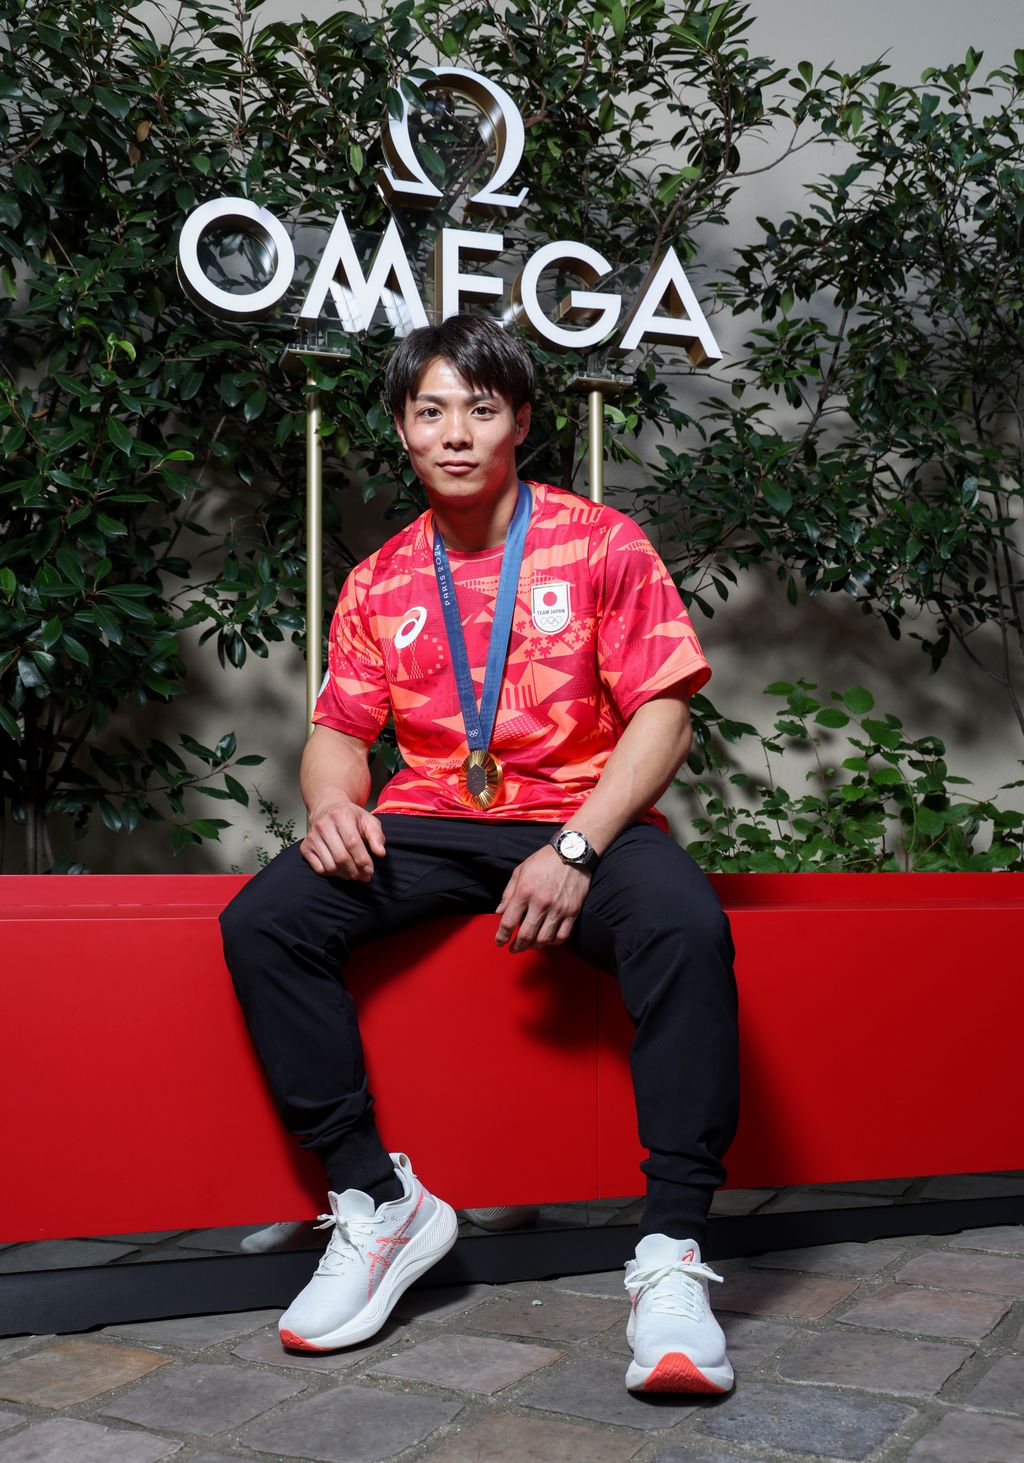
{"points": [[404, 179], [410, 627]]}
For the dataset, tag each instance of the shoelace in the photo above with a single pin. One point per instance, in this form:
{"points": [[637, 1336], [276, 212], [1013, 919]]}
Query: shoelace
{"points": [[682, 1296], [344, 1242]]}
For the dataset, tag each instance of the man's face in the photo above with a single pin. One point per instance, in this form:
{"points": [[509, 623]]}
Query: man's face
{"points": [[461, 441]]}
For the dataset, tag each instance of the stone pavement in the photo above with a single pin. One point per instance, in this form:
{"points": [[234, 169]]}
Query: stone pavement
{"points": [[898, 1349]]}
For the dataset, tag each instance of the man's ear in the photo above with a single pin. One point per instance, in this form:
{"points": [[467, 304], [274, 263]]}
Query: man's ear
{"points": [[523, 417], [398, 428]]}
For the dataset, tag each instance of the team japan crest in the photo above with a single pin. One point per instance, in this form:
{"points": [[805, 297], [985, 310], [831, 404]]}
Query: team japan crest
{"points": [[551, 608]]}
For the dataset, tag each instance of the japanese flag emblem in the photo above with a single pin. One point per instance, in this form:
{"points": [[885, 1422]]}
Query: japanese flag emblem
{"points": [[551, 607]]}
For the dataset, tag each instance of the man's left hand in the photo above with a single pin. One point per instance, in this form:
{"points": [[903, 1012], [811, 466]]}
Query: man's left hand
{"points": [[541, 901]]}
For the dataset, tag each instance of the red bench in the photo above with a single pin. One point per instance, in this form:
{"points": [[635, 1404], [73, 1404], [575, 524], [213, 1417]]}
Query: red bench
{"points": [[881, 1021]]}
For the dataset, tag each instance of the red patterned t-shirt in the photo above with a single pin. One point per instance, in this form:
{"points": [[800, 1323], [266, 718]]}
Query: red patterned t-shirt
{"points": [[599, 628]]}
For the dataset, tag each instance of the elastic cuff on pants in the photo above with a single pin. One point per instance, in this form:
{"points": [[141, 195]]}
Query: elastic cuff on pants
{"points": [[358, 1160], [679, 1211]]}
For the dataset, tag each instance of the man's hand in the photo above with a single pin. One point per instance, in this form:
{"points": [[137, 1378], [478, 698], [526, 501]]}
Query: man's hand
{"points": [[542, 898], [341, 839]]}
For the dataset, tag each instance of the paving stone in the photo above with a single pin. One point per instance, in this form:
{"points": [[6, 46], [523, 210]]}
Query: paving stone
{"points": [[438, 1303], [171, 1252], [468, 1363], [218, 1457], [842, 1259], [805, 1420], [149, 1237], [596, 1390], [992, 1274], [781, 1293], [226, 1240], [609, 1285], [74, 1371], [875, 1363], [504, 1439], [1001, 1239], [201, 1397], [194, 1331], [11, 1345], [881, 1188], [696, 1455], [973, 1186], [9, 1419], [798, 1201], [60, 1254], [70, 1440], [749, 1341], [970, 1437], [1002, 1386], [730, 1202], [928, 1312], [351, 1425], [560, 1317], [266, 1347]]}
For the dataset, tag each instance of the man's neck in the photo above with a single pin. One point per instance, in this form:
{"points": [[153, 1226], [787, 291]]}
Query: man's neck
{"points": [[469, 527]]}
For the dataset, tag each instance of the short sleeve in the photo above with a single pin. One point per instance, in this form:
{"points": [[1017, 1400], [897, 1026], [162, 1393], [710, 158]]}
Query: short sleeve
{"points": [[354, 696], [646, 643]]}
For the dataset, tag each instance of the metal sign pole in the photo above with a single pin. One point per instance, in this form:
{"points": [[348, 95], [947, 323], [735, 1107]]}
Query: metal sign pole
{"points": [[595, 402], [596, 388], [314, 546]]}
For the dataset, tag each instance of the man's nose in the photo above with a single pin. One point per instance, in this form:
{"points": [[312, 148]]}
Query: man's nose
{"points": [[457, 430]]}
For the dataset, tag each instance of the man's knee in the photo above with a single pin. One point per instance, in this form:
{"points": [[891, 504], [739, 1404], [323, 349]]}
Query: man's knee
{"points": [[256, 908]]}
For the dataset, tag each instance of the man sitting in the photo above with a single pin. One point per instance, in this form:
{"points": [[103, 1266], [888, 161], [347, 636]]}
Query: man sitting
{"points": [[538, 663]]}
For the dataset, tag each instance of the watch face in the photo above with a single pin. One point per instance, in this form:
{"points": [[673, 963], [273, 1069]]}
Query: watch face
{"points": [[572, 845]]}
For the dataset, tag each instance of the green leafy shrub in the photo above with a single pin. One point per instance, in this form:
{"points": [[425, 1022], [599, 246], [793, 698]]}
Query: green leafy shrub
{"points": [[892, 805]]}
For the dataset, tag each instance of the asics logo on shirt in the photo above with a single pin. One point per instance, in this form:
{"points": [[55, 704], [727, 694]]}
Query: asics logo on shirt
{"points": [[410, 627]]}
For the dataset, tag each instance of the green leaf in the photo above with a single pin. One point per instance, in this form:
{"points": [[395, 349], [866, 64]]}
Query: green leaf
{"points": [[858, 700], [236, 790], [831, 716], [777, 495], [254, 404], [208, 827], [779, 688], [120, 435], [116, 103]]}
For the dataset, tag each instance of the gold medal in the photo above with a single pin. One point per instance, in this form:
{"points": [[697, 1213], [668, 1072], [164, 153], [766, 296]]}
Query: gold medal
{"points": [[480, 778]]}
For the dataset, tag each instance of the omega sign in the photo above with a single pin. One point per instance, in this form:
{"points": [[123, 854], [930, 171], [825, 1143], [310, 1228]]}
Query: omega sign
{"points": [[664, 310]]}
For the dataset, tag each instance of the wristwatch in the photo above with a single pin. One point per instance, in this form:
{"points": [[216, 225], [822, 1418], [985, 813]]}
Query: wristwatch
{"points": [[575, 849]]}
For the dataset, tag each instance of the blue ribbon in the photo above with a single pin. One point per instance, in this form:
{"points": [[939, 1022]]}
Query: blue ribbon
{"points": [[479, 721]]}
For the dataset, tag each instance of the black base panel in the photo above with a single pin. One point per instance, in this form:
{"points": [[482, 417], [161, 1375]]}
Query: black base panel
{"points": [[42, 1302]]}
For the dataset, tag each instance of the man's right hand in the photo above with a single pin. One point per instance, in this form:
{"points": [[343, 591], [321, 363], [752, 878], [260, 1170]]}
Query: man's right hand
{"points": [[341, 840]]}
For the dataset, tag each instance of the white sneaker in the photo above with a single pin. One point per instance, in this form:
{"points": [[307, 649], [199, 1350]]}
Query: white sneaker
{"points": [[372, 1258], [678, 1346]]}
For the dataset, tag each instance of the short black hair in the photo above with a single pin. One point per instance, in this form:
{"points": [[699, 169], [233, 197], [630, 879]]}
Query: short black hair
{"points": [[481, 350]]}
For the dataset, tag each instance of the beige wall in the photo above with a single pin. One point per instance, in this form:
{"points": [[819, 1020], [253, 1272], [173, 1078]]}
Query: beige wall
{"points": [[757, 637]]}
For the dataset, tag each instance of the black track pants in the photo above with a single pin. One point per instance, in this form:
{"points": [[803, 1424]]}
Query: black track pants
{"points": [[650, 917]]}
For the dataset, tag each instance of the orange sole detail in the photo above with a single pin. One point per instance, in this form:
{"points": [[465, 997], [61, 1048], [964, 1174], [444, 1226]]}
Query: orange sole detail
{"points": [[677, 1373], [296, 1343]]}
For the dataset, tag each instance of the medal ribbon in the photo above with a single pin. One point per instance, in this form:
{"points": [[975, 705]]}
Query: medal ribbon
{"points": [[479, 721]]}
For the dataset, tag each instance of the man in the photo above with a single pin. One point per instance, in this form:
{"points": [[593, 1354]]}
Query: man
{"points": [[538, 663]]}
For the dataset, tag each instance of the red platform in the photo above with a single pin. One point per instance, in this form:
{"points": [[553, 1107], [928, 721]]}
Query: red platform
{"points": [[881, 1019]]}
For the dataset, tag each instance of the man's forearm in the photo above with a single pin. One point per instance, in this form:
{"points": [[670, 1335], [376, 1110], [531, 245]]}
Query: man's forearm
{"points": [[647, 756], [334, 769]]}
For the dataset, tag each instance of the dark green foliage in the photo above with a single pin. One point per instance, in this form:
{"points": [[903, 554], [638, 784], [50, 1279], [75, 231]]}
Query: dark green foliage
{"points": [[873, 441], [893, 805], [134, 427]]}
